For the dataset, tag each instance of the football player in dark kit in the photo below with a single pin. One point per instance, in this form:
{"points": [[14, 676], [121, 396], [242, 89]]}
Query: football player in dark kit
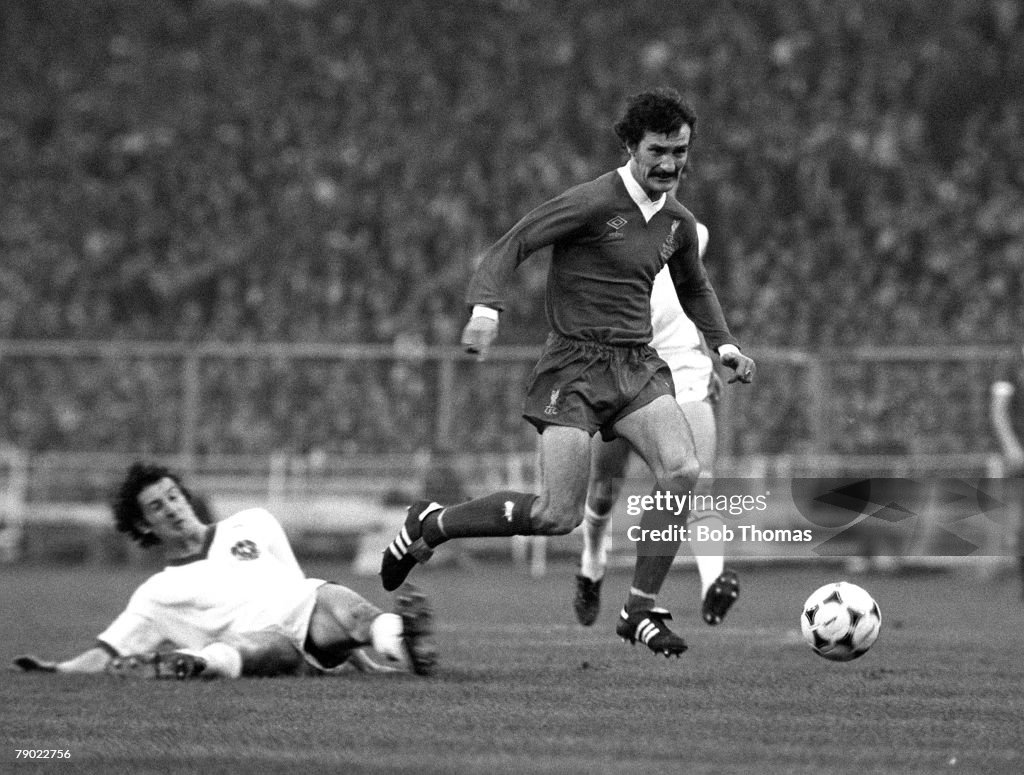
{"points": [[598, 372]]}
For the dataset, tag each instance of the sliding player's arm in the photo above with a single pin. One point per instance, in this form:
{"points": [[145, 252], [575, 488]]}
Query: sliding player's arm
{"points": [[134, 631], [95, 660]]}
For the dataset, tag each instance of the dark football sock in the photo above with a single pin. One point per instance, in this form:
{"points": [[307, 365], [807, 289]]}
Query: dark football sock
{"points": [[648, 578], [505, 513], [654, 558]]}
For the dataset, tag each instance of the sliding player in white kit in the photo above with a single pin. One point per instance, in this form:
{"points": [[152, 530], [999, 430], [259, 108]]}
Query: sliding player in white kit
{"points": [[234, 601], [679, 344]]}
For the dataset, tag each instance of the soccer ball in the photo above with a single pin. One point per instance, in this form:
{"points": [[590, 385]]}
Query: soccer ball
{"points": [[840, 621]]}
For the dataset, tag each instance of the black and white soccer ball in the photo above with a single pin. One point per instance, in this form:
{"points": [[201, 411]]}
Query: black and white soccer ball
{"points": [[840, 621]]}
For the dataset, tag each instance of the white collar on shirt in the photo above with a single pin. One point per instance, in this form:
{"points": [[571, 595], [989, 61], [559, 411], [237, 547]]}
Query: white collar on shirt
{"points": [[638, 195]]}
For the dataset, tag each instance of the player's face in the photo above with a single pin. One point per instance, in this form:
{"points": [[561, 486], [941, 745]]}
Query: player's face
{"points": [[658, 160], [167, 511]]}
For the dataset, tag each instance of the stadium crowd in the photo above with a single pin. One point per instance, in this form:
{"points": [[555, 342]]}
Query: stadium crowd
{"points": [[327, 172]]}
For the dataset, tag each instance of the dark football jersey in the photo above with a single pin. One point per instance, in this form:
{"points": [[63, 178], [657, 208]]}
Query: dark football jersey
{"points": [[604, 260]]}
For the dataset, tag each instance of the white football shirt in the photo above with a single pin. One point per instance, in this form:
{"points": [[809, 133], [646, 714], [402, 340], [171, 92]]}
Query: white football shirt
{"points": [[676, 337], [246, 580]]}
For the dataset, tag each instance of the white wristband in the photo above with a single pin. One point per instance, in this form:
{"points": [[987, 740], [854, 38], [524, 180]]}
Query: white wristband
{"points": [[483, 311], [727, 349]]}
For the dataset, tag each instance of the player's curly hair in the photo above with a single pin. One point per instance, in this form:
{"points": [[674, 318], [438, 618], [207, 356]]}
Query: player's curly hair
{"points": [[661, 110], [128, 515]]}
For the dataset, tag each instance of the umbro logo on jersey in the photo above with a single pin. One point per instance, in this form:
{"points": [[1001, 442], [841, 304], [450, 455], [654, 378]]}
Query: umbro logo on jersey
{"points": [[615, 235], [245, 550]]}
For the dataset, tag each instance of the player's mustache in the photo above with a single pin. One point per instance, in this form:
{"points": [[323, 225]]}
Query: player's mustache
{"points": [[665, 175]]}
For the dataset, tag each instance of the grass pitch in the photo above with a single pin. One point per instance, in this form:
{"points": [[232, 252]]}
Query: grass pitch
{"points": [[522, 689]]}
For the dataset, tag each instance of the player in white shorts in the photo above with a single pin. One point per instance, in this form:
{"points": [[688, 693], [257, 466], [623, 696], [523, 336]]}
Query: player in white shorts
{"points": [[697, 387], [234, 601]]}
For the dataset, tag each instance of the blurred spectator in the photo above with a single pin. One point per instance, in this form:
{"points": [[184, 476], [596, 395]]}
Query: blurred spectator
{"points": [[325, 172]]}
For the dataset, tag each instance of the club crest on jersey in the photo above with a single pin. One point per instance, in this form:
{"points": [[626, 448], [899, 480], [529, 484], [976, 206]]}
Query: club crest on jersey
{"points": [[245, 550], [668, 247], [551, 408]]}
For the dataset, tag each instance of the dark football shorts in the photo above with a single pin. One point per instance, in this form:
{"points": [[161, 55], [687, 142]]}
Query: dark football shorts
{"points": [[592, 386]]}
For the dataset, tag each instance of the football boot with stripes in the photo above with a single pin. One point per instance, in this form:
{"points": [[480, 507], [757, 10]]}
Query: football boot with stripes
{"points": [[169, 665], [417, 629], [649, 628], [180, 665], [587, 600], [720, 597], [408, 548], [143, 665]]}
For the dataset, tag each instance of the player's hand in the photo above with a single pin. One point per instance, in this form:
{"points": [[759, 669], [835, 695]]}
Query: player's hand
{"points": [[32, 664], [743, 367], [478, 334]]}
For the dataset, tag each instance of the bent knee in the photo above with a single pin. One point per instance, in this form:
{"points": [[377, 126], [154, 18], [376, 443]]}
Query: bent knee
{"points": [[551, 523], [683, 474], [602, 502]]}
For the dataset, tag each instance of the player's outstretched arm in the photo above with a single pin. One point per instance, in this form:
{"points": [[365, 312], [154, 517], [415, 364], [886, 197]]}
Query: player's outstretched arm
{"points": [[95, 660]]}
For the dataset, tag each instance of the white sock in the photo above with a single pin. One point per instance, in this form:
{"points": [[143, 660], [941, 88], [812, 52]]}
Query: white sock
{"points": [[710, 567], [222, 660], [386, 636], [596, 544], [710, 558]]}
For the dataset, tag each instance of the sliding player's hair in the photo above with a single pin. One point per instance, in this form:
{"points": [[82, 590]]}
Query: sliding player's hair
{"points": [[128, 515]]}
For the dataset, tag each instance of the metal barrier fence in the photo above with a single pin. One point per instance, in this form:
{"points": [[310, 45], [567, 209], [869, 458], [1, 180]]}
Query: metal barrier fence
{"points": [[281, 420], [356, 501], [194, 401]]}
